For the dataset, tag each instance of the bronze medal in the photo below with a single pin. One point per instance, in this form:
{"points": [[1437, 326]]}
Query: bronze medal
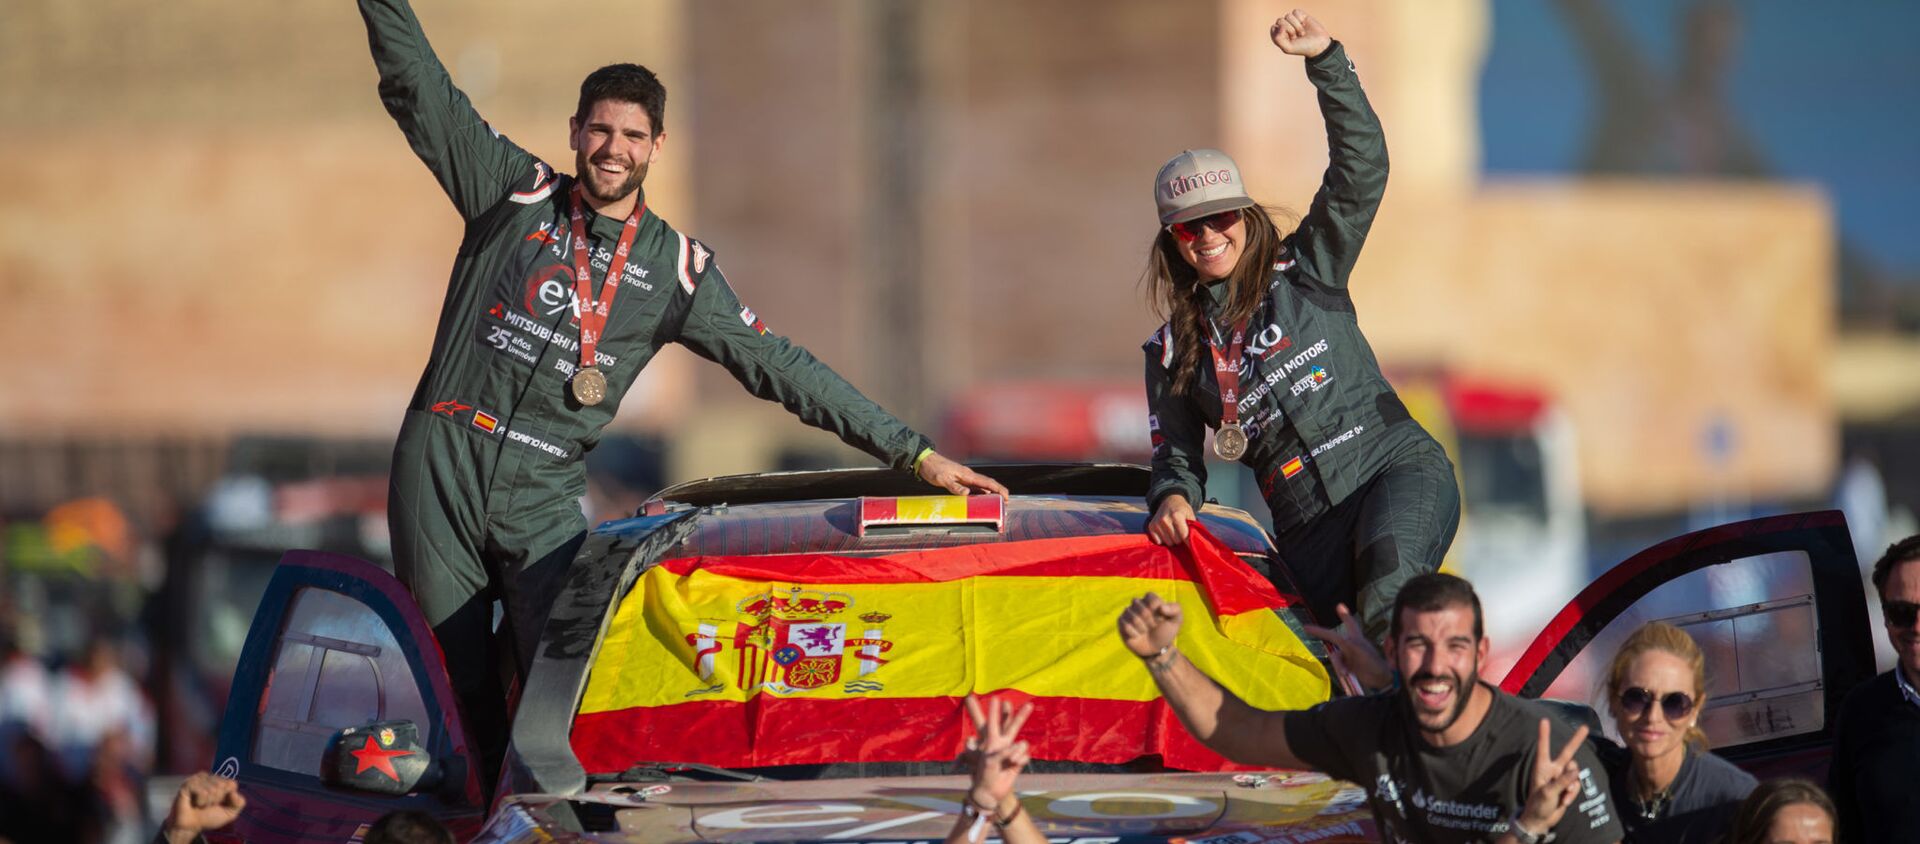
{"points": [[1230, 442], [590, 387]]}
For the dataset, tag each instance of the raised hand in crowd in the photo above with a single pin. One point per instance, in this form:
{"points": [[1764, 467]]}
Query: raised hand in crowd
{"points": [[1353, 654], [995, 756], [1297, 34], [1554, 785], [1149, 626], [205, 801]]}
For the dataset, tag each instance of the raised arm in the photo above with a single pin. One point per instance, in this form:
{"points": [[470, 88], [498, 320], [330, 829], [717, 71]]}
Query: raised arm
{"points": [[474, 165], [1329, 238], [770, 366], [1216, 717]]}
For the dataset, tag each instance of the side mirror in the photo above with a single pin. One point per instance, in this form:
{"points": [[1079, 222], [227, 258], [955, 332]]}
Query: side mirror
{"points": [[384, 757]]}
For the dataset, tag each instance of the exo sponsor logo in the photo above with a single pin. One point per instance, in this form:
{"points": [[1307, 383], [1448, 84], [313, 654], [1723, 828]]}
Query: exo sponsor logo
{"points": [[1271, 339], [549, 293], [536, 442]]}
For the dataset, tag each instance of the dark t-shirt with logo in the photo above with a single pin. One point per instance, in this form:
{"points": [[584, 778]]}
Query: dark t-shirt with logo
{"points": [[1436, 795]]}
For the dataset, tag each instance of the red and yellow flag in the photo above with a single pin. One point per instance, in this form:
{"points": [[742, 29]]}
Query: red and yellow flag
{"points": [[810, 658]]}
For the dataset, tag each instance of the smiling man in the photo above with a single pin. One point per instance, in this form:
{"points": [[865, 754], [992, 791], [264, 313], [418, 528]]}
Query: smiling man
{"points": [[1876, 740], [1444, 758], [563, 288]]}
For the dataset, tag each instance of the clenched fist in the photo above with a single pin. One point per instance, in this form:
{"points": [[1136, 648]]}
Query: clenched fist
{"points": [[1149, 625], [1298, 34]]}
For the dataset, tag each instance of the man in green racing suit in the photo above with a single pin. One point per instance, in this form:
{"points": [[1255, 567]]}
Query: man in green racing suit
{"points": [[536, 347]]}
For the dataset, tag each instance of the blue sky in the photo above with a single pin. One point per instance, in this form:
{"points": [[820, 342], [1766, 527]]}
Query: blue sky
{"points": [[1830, 92]]}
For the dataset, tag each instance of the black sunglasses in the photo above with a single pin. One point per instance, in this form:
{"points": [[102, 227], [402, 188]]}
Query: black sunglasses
{"points": [[1900, 613], [1675, 705]]}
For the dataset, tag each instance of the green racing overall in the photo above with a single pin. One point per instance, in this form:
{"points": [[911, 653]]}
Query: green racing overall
{"points": [[487, 481], [1362, 498]]}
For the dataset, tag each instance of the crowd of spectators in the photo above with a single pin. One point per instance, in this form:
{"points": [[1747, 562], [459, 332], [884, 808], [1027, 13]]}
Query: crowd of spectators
{"points": [[78, 746]]}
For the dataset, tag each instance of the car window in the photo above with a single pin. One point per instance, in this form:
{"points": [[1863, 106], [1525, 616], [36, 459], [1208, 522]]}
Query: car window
{"points": [[1755, 619], [335, 665]]}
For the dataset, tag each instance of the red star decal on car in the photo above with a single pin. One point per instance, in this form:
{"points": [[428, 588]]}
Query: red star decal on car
{"points": [[371, 756]]}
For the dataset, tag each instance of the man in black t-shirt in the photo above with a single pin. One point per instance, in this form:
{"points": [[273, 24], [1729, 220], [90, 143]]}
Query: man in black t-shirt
{"points": [[1445, 758]]}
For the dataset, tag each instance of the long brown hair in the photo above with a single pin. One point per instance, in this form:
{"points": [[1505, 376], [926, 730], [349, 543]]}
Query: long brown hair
{"points": [[1754, 820], [1661, 636], [1177, 295]]}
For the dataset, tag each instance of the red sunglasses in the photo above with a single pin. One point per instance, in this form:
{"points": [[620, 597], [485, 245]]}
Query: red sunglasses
{"points": [[1189, 231]]}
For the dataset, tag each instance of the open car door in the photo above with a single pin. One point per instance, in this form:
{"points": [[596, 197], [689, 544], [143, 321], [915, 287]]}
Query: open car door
{"points": [[1775, 603], [338, 643]]}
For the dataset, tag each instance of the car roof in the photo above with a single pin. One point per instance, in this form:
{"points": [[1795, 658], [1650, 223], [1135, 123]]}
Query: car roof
{"points": [[1101, 479], [818, 511]]}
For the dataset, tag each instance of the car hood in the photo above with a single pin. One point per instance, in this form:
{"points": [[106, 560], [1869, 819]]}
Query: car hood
{"points": [[1276, 806]]}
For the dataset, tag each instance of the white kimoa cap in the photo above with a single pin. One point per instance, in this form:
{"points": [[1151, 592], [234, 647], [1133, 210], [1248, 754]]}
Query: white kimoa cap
{"points": [[1198, 182]]}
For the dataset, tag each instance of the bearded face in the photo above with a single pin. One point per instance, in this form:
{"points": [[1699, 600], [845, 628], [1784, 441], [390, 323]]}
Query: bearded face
{"points": [[612, 149]]}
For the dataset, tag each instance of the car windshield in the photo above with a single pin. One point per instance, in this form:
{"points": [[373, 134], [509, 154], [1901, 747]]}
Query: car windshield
{"points": [[809, 666]]}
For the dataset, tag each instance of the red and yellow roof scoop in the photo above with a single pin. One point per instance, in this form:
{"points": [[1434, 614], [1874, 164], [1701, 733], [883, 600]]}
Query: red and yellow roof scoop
{"points": [[932, 511]]}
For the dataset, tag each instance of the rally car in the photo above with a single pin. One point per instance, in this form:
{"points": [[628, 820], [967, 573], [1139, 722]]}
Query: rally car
{"points": [[782, 657]]}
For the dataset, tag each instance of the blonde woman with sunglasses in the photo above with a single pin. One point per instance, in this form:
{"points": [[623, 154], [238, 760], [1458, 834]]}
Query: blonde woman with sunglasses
{"points": [[1666, 785], [1262, 345]]}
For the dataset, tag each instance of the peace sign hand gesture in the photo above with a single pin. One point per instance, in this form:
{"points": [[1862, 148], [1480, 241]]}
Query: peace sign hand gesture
{"points": [[995, 753], [1555, 783]]}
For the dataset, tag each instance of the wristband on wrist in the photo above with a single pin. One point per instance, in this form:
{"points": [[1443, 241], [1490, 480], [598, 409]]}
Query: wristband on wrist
{"points": [[1011, 816], [921, 458], [1521, 834], [1160, 661]]}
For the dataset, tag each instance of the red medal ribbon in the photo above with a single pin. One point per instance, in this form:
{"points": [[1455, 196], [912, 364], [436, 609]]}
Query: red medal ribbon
{"points": [[593, 315], [1226, 370]]}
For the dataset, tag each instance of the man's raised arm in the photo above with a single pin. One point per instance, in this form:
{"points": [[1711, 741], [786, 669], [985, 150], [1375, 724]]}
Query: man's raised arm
{"points": [[475, 166], [1217, 717]]}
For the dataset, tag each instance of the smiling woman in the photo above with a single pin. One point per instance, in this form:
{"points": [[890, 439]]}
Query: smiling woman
{"points": [[1261, 344], [1669, 787]]}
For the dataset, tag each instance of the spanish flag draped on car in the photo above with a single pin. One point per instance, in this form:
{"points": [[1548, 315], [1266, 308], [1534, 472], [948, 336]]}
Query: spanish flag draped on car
{"points": [[812, 658]]}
